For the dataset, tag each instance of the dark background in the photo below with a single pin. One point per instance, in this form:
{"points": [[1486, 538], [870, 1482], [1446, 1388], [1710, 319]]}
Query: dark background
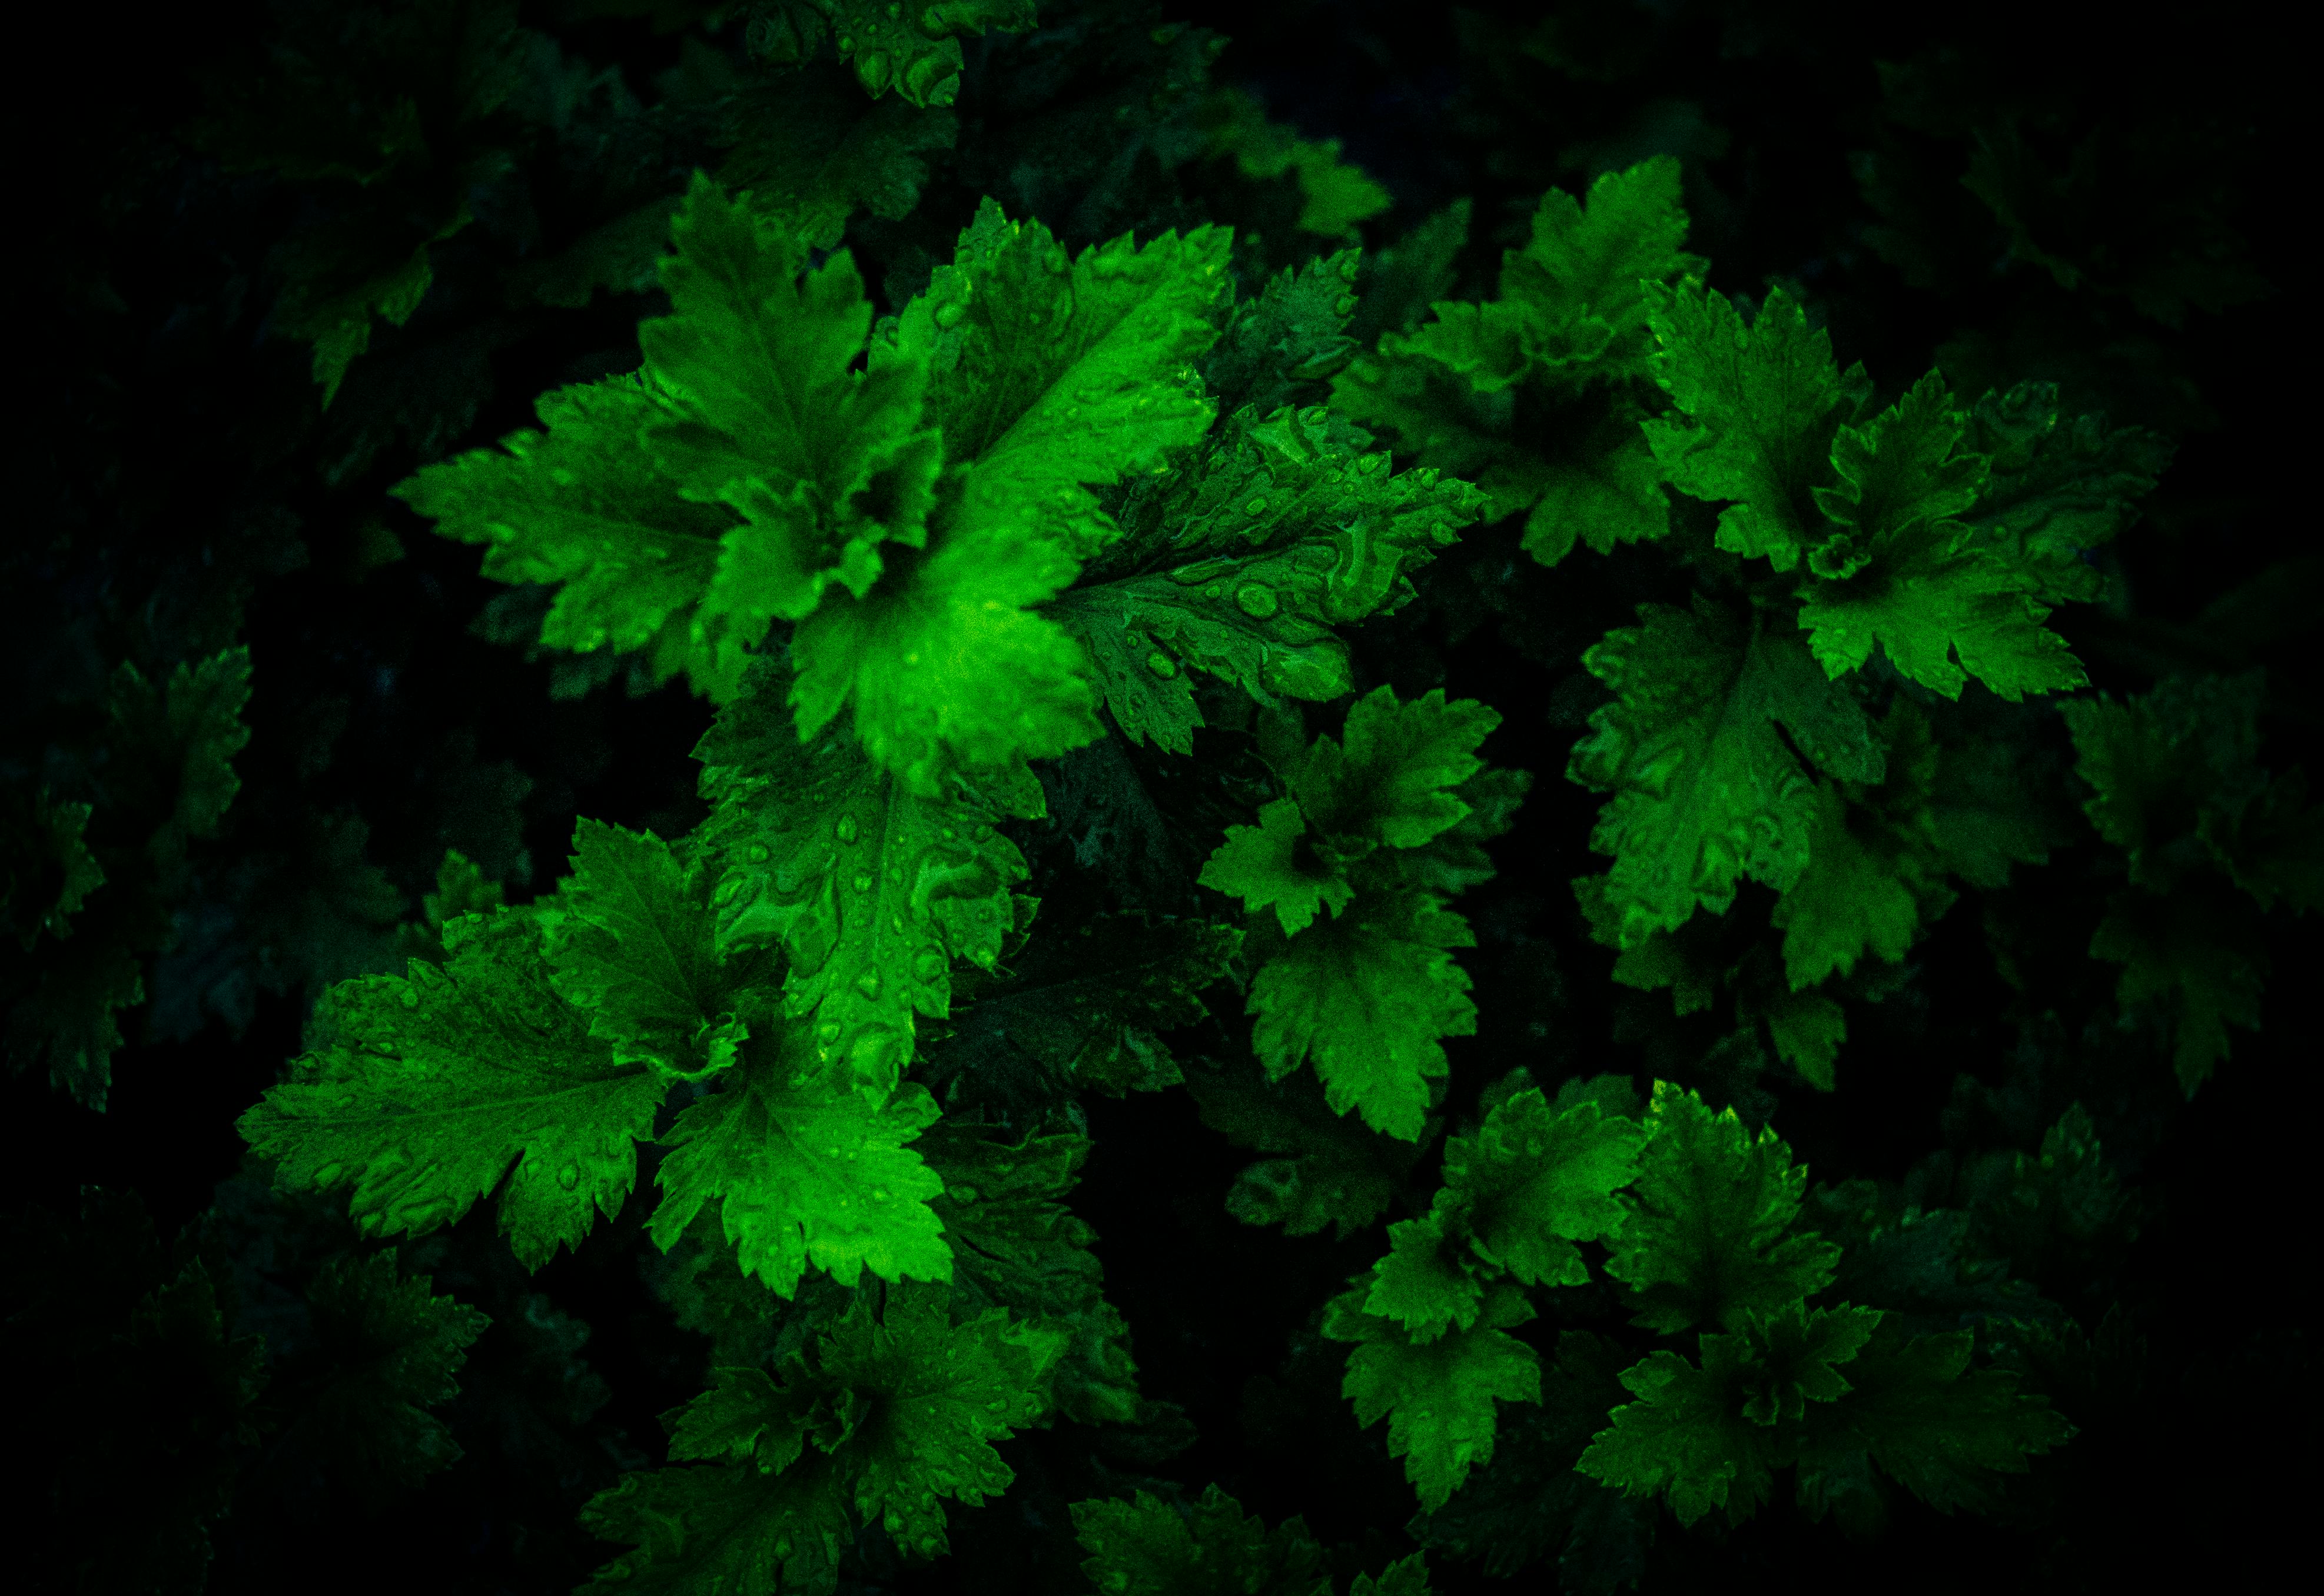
{"points": [[187, 491]]}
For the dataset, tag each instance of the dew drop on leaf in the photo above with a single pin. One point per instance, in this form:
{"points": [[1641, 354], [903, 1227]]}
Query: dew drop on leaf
{"points": [[569, 1177], [929, 965], [758, 853], [1161, 665], [949, 314], [1255, 600], [868, 984]]}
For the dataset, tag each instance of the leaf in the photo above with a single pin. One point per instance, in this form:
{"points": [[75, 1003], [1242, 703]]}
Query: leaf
{"points": [[729, 1529], [423, 1091], [2194, 959], [1337, 1173], [1400, 283], [1017, 1247], [1530, 1503], [944, 1393], [870, 889], [1243, 562], [461, 889], [1875, 869], [1534, 1180], [1147, 1547], [1388, 781], [807, 148], [1941, 1430], [621, 257], [769, 415], [1704, 1241], [634, 946], [1572, 308], [49, 869], [1335, 196], [1438, 1398], [1266, 866], [2054, 487], [1083, 1010], [807, 1173], [1712, 1437], [2166, 766], [1278, 348], [1048, 378], [399, 1346], [1707, 790], [1908, 578], [65, 1017], [1761, 404], [1368, 997], [1428, 1283], [583, 504], [917, 54]]}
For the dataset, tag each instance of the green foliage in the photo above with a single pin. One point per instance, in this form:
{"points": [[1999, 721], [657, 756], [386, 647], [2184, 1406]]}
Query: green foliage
{"points": [[1337, 1172], [2210, 842], [1704, 1241], [1240, 561], [426, 1091], [1709, 791], [891, 1409], [1536, 394], [1368, 990], [905, 515], [870, 889], [1908, 540], [806, 1171], [91, 886], [917, 55], [1016, 1247], [1438, 1396], [1333, 196], [1082, 1011], [400, 1345], [1530, 1501], [1826, 1390], [1146, 1546]]}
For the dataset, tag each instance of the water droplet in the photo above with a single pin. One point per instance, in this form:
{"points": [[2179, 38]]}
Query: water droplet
{"points": [[846, 829], [928, 965], [1161, 665], [569, 1177], [1257, 507], [846, 42], [949, 313], [862, 881], [1314, 415], [328, 1173], [827, 1032], [868, 984], [1211, 592], [1255, 600], [1344, 305], [726, 890], [872, 68], [1370, 464], [759, 854]]}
